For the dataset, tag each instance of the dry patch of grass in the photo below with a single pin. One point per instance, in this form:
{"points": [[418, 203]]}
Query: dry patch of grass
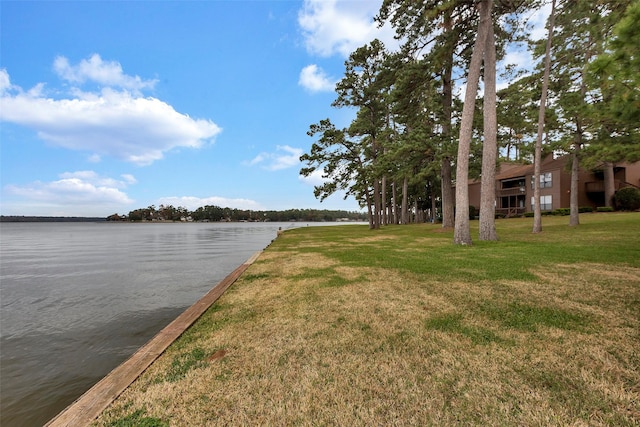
{"points": [[302, 339]]}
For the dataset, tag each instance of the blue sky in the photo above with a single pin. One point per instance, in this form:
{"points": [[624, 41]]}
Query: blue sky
{"points": [[109, 106]]}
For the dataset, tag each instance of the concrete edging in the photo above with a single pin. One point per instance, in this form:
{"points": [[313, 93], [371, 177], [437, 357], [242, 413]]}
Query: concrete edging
{"points": [[95, 400]]}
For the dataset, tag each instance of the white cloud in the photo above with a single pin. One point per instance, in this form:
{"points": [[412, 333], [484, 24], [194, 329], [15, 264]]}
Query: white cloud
{"points": [[257, 159], [193, 203], [314, 79], [339, 26], [114, 123], [129, 179], [538, 22], [315, 178], [284, 157], [100, 181], [518, 54], [5, 82], [73, 189], [105, 73]]}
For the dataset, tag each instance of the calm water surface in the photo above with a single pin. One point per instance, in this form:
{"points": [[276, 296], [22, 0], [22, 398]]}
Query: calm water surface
{"points": [[76, 299]]}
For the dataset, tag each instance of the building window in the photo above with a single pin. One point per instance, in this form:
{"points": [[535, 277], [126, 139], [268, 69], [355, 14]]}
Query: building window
{"points": [[546, 203], [546, 180]]}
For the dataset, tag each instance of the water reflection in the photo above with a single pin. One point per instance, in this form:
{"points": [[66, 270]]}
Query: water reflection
{"points": [[77, 299]]}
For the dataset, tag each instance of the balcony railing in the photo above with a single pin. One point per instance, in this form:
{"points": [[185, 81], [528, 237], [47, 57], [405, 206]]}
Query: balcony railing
{"points": [[598, 186], [513, 191], [594, 187]]}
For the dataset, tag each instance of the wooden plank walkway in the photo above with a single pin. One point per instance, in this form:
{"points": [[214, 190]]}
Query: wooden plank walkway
{"points": [[95, 400]]}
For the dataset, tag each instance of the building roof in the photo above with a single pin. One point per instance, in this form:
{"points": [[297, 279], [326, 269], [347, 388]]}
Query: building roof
{"points": [[508, 170], [513, 170]]}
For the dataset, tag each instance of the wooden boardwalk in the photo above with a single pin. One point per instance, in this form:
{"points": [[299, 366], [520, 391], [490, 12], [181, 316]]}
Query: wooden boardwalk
{"points": [[95, 400]]}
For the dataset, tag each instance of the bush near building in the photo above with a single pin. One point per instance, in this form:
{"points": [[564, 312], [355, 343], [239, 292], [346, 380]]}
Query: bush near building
{"points": [[627, 199]]}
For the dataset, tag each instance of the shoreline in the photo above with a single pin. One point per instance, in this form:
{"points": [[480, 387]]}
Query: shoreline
{"points": [[316, 333], [90, 404]]}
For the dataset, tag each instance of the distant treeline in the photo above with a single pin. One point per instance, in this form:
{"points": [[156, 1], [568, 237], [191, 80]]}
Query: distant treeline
{"points": [[16, 218], [217, 214]]}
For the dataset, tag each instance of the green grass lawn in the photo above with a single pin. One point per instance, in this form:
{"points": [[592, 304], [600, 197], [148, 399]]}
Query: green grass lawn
{"points": [[350, 326]]}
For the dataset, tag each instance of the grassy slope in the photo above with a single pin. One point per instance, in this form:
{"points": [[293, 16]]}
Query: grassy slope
{"points": [[348, 326]]}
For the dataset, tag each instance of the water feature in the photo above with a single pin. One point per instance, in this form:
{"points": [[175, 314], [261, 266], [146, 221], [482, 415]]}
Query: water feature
{"points": [[77, 299]]}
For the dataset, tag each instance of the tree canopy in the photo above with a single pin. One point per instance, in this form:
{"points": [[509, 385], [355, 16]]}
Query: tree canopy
{"points": [[410, 130]]}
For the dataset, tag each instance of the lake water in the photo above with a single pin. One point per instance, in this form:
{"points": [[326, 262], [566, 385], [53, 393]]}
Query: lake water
{"points": [[77, 299]]}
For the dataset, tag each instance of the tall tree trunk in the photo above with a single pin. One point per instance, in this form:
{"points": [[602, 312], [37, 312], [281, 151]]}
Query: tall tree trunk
{"points": [[433, 206], [405, 200], [574, 209], [446, 181], [609, 184], [574, 212], [537, 212], [394, 201], [448, 220], [383, 203], [370, 210], [376, 203], [462, 233], [490, 146]]}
